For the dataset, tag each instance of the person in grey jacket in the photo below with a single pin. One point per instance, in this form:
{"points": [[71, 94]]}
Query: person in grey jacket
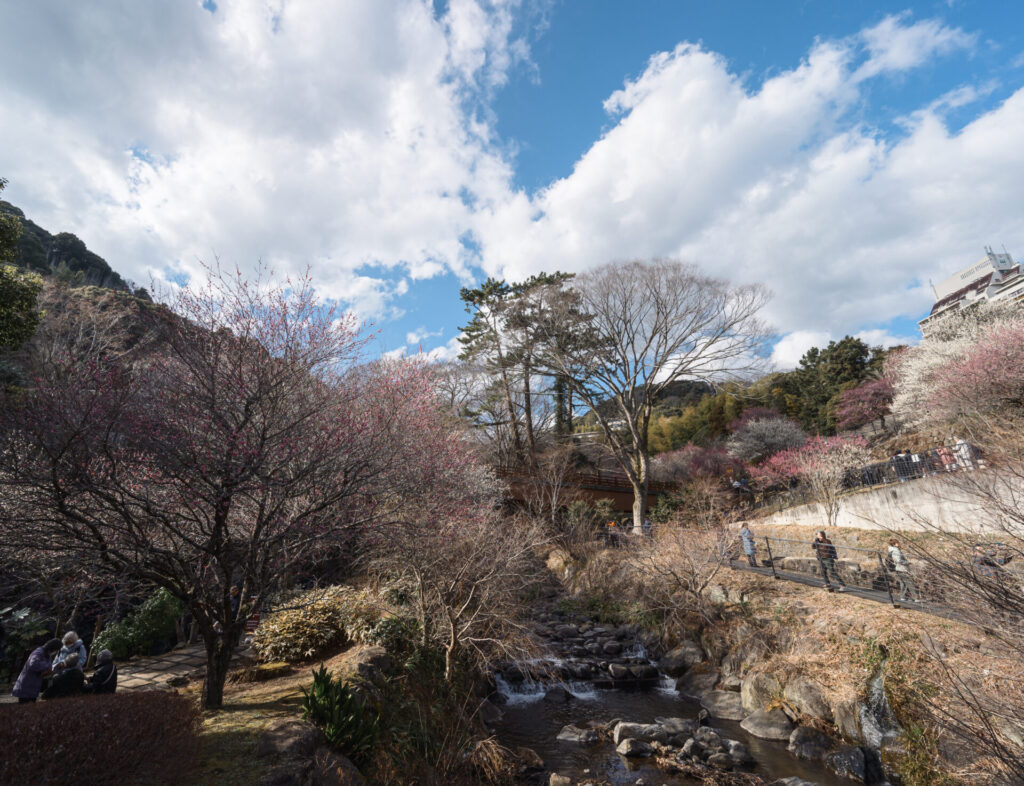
{"points": [[104, 679], [901, 567], [749, 547]]}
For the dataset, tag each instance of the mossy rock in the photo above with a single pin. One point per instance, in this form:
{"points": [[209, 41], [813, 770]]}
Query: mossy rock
{"points": [[262, 672]]}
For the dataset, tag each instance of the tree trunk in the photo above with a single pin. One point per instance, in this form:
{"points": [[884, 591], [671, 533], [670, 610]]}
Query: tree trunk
{"points": [[218, 658], [639, 502], [531, 444], [641, 477], [513, 417], [561, 408], [449, 651], [92, 650]]}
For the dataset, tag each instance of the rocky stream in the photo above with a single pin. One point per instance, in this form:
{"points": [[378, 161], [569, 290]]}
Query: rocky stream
{"points": [[605, 705]]}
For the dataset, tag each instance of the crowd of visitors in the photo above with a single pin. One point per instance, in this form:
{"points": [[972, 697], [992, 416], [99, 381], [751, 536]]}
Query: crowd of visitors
{"points": [[57, 669], [954, 455]]}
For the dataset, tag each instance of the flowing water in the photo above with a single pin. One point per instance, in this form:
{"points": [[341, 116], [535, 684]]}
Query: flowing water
{"points": [[532, 722]]}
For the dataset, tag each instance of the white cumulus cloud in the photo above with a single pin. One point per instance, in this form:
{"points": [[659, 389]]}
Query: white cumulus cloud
{"points": [[781, 183]]}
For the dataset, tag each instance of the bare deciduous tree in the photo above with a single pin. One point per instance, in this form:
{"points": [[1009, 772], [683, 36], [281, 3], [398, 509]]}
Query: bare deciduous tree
{"points": [[468, 575], [649, 324], [240, 444]]}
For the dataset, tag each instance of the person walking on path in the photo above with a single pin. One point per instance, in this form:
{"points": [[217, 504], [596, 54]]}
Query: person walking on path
{"points": [[827, 557], [901, 567], [104, 679], [749, 547], [72, 646], [68, 681], [30, 681]]}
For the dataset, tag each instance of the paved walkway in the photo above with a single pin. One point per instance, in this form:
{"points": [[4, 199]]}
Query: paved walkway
{"points": [[149, 673], [860, 592]]}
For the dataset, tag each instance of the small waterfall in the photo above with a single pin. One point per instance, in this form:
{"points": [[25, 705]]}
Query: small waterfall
{"points": [[531, 690], [882, 722], [665, 684], [636, 650]]}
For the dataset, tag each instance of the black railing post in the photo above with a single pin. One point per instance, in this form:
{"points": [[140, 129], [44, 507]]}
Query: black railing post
{"points": [[771, 559], [885, 575]]}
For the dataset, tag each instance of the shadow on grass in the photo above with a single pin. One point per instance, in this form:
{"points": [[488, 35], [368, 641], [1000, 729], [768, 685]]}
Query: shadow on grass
{"points": [[228, 757]]}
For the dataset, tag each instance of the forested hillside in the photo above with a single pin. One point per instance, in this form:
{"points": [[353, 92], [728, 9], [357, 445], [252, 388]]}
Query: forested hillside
{"points": [[812, 394], [63, 255]]}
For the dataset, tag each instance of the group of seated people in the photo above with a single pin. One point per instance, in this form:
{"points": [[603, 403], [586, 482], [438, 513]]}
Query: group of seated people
{"points": [[63, 661]]}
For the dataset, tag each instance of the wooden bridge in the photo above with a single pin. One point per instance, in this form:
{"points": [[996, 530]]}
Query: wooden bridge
{"points": [[587, 486]]}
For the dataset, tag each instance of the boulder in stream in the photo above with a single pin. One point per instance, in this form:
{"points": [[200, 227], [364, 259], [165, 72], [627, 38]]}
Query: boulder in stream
{"points": [[724, 704], [619, 671], [808, 743], [632, 748], [579, 736], [645, 732], [677, 725], [771, 725], [696, 683], [678, 660], [557, 695], [848, 762], [757, 690], [808, 698]]}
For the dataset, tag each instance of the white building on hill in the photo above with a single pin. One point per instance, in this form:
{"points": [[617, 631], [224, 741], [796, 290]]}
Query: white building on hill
{"points": [[993, 277]]}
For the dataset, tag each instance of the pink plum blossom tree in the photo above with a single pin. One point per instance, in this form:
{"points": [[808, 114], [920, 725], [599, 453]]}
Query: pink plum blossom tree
{"points": [[243, 441], [821, 465]]}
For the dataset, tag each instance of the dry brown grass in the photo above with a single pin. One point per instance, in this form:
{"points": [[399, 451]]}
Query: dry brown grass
{"points": [[228, 736], [830, 638]]}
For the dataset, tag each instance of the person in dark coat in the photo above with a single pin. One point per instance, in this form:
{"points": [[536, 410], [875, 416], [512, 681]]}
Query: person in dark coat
{"points": [[68, 682], [827, 557], [104, 679], [30, 681]]}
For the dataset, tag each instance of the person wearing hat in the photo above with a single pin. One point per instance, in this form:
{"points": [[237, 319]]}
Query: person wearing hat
{"points": [[104, 679], [30, 681], [72, 645], [68, 681]]}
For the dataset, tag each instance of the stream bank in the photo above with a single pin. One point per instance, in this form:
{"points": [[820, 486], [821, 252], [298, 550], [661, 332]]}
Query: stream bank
{"points": [[605, 705]]}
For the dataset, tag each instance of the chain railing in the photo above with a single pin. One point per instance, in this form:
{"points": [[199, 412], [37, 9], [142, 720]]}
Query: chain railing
{"points": [[837, 565]]}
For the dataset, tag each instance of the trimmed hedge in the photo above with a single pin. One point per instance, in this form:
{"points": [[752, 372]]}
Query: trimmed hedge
{"points": [[130, 738]]}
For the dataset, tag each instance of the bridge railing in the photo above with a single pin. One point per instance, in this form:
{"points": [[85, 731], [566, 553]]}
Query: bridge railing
{"points": [[835, 564]]}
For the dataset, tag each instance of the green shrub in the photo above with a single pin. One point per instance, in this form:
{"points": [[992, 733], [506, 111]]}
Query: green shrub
{"points": [[136, 634], [313, 622], [397, 634], [24, 630], [349, 725]]}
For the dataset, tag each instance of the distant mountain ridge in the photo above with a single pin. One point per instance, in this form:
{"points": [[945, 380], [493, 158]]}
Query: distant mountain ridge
{"points": [[63, 256]]}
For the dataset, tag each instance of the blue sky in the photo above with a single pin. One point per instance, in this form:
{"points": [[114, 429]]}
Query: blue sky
{"points": [[843, 153]]}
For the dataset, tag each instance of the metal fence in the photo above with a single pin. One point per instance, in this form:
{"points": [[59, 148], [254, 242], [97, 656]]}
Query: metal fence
{"points": [[842, 567], [958, 456], [834, 564]]}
